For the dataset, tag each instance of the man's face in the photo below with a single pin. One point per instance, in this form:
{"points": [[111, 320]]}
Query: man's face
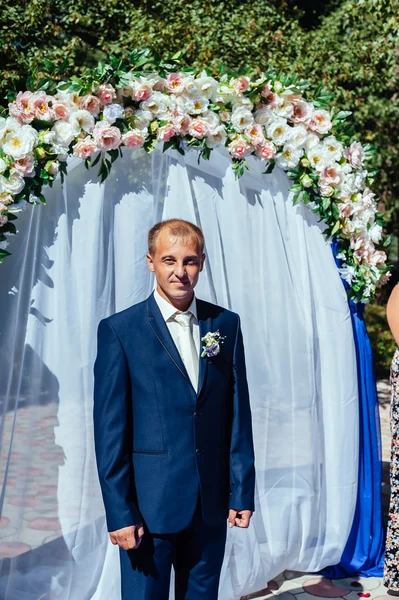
{"points": [[177, 264]]}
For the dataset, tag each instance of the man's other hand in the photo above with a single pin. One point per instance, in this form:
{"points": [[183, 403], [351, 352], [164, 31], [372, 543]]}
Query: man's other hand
{"points": [[128, 538], [239, 518]]}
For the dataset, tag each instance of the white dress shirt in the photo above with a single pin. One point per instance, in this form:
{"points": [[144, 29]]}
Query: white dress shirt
{"points": [[168, 312]]}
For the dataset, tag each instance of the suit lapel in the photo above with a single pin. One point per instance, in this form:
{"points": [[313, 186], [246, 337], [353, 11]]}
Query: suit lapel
{"points": [[205, 325], [161, 330]]}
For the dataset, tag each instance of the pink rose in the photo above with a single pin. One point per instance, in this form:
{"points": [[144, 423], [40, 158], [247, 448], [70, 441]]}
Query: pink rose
{"points": [[22, 109], [25, 166], [85, 147], [266, 150], [142, 92], [175, 83], [331, 175], [378, 258], [273, 100], [106, 136], [90, 103], [239, 147], [106, 93], [355, 154], [133, 138], [166, 132], [240, 85], [61, 110], [199, 128], [6, 198], [302, 112], [41, 106], [3, 220], [321, 121], [181, 123], [224, 116], [345, 209], [255, 134]]}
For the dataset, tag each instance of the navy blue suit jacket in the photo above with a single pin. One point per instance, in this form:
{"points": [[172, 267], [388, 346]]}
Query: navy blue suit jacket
{"points": [[158, 442]]}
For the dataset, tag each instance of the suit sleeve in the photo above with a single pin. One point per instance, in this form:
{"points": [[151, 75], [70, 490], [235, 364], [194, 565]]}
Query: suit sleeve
{"points": [[242, 470], [113, 430]]}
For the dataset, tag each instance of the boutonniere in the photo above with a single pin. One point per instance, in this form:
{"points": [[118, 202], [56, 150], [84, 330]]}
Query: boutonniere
{"points": [[212, 344]]}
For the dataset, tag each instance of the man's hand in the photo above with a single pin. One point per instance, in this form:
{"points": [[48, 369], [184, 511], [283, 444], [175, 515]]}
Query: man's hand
{"points": [[239, 518], [128, 538]]}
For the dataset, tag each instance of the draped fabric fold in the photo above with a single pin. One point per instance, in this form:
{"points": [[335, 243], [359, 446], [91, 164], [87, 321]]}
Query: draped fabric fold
{"points": [[81, 258]]}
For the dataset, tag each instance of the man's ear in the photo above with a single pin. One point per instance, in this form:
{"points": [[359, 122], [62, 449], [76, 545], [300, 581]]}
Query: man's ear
{"points": [[203, 257], [150, 262]]}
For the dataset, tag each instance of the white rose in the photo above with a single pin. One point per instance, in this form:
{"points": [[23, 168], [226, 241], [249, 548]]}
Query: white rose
{"points": [[142, 118], [289, 157], [3, 166], [217, 136], [82, 119], [242, 102], [208, 86], [13, 185], [242, 118], [20, 142], [317, 157], [333, 147], [284, 109], [3, 245], [112, 112], [213, 120], [375, 233], [7, 126], [199, 104], [157, 104], [311, 141], [64, 134], [278, 131], [298, 135], [263, 116]]}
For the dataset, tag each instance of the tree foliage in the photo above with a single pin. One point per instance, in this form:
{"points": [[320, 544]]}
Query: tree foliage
{"points": [[351, 47]]}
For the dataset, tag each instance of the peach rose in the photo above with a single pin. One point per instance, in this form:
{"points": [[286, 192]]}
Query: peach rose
{"points": [[85, 147], [266, 150], [240, 85], [133, 138], [166, 132], [239, 147], [199, 128], [106, 93], [90, 103], [25, 166]]}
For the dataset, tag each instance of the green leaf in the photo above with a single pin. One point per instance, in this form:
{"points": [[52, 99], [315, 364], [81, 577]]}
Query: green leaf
{"points": [[96, 160], [335, 228]]}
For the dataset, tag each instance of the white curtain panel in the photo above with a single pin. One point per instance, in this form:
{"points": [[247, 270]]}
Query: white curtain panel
{"points": [[81, 258]]}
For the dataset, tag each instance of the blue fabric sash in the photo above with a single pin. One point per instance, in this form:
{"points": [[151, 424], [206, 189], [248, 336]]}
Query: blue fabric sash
{"points": [[364, 551]]}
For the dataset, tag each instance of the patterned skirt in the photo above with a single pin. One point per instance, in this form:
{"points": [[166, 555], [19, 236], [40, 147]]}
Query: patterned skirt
{"points": [[391, 567]]}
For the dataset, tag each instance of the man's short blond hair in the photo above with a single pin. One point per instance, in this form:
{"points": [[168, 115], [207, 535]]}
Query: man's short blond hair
{"points": [[178, 228]]}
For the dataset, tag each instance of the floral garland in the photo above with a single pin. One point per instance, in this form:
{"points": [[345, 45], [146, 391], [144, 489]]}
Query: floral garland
{"points": [[119, 105]]}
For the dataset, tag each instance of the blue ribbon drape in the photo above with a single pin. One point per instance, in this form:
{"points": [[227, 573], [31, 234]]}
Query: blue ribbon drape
{"points": [[364, 551]]}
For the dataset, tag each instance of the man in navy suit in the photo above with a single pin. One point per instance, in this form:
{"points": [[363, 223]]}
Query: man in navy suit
{"points": [[172, 426]]}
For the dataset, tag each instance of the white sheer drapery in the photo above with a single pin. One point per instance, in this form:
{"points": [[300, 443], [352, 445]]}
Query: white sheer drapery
{"points": [[82, 257]]}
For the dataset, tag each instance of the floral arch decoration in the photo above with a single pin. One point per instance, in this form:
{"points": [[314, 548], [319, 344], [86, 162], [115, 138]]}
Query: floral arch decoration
{"points": [[148, 101]]}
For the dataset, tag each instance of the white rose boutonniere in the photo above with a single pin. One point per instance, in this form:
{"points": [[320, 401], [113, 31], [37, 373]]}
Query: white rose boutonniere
{"points": [[212, 344]]}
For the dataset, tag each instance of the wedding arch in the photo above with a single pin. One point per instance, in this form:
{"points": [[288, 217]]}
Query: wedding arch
{"points": [[272, 177]]}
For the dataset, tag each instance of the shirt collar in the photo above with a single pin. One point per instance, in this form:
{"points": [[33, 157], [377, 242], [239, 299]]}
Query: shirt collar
{"points": [[168, 310]]}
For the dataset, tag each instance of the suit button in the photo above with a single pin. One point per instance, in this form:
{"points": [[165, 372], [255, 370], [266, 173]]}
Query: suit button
{"points": [[198, 451], [197, 415]]}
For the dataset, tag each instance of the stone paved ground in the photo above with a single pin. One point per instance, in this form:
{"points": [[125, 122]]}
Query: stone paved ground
{"points": [[35, 500]]}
